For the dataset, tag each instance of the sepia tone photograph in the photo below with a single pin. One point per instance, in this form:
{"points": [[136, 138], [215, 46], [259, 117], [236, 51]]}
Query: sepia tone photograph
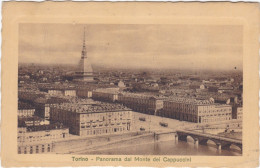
{"points": [[137, 84], [128, 89]]}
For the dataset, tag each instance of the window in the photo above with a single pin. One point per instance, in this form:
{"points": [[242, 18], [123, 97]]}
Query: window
{"points": [[49, 148], [19, 150], [31, 150], [37, 149], [42, 148]]}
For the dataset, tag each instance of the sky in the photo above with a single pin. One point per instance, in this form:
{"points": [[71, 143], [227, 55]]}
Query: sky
{"points": [[134, 45]]}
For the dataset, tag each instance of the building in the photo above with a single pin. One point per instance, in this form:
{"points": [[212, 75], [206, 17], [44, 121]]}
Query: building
{"points": [[88, 118], [198, 111], [42, 133], [84, 93], [31, 121], [56, 92], [39, 139], [106, 94], [34, 148], [225, 88], [240, 113], [42, 105], [85, 71], [25, 110], [237, 112], [59, 90], [121, 84], [142, 103], [29, 97]]}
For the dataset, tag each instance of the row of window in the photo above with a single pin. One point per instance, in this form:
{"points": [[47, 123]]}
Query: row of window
{"points": [[87, 121], [34, 149], [40, 138], [26, 113], [101, 125], [105, 131], [207, 120]]}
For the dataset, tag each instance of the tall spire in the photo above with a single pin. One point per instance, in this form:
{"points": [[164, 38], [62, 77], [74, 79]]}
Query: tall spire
{"points": [[85, 71], [84, 52]]}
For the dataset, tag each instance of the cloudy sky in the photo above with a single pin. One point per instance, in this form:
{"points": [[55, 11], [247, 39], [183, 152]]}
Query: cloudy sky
{"points": [[134, 46]]}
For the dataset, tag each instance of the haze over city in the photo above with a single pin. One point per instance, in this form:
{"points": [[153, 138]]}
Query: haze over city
{"points": [[134, 46]]}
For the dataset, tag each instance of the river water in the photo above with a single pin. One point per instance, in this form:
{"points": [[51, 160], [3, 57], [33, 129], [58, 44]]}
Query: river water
{"points": [[171, 147]]}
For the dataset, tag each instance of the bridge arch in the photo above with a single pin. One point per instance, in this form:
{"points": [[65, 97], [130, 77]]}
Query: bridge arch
{"points": [[236, 146], [182, 137], [191, 137], [211, 141]]}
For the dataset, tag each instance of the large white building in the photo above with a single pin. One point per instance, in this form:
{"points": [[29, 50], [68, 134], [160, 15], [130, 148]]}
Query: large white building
{"points": [[199, 111], [86, 118]]}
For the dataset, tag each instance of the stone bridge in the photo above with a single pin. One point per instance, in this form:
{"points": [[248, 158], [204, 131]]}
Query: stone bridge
{"points": [[202, 138]]}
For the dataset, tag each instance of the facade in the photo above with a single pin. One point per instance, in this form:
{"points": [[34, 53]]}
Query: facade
{"points": [[198, 111], [55, 92], [39, 139], [87, 119], [71, 93], [26, 113], [43, 110], [25, 110], [62, 92], [34, 148], [59, 90], [43, 106], [84, 93], [30, 121], [141, 103], [240, 113], [237, 112], [42, 133], [106, 94]]}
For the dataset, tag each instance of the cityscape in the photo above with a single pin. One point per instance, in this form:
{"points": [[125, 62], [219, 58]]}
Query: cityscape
{"points": [[118, 106]]}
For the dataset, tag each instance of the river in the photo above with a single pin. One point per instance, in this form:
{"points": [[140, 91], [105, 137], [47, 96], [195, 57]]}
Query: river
{"points": [[171, 147]]}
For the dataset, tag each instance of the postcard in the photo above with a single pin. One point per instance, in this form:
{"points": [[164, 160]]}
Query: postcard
{"points": [[153, 84]]}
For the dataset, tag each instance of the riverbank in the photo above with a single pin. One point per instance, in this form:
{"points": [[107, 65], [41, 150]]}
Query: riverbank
{"points": [[164, 147], [85, 143]]}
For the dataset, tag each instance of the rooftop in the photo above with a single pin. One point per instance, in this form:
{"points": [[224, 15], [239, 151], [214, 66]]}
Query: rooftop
{"points": [[51, 100], [140, 95], [56, 87], [189, 101], [45, 127], [22, 121], [22, 105], [90, 106], [108, 90], [29, 95]]}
